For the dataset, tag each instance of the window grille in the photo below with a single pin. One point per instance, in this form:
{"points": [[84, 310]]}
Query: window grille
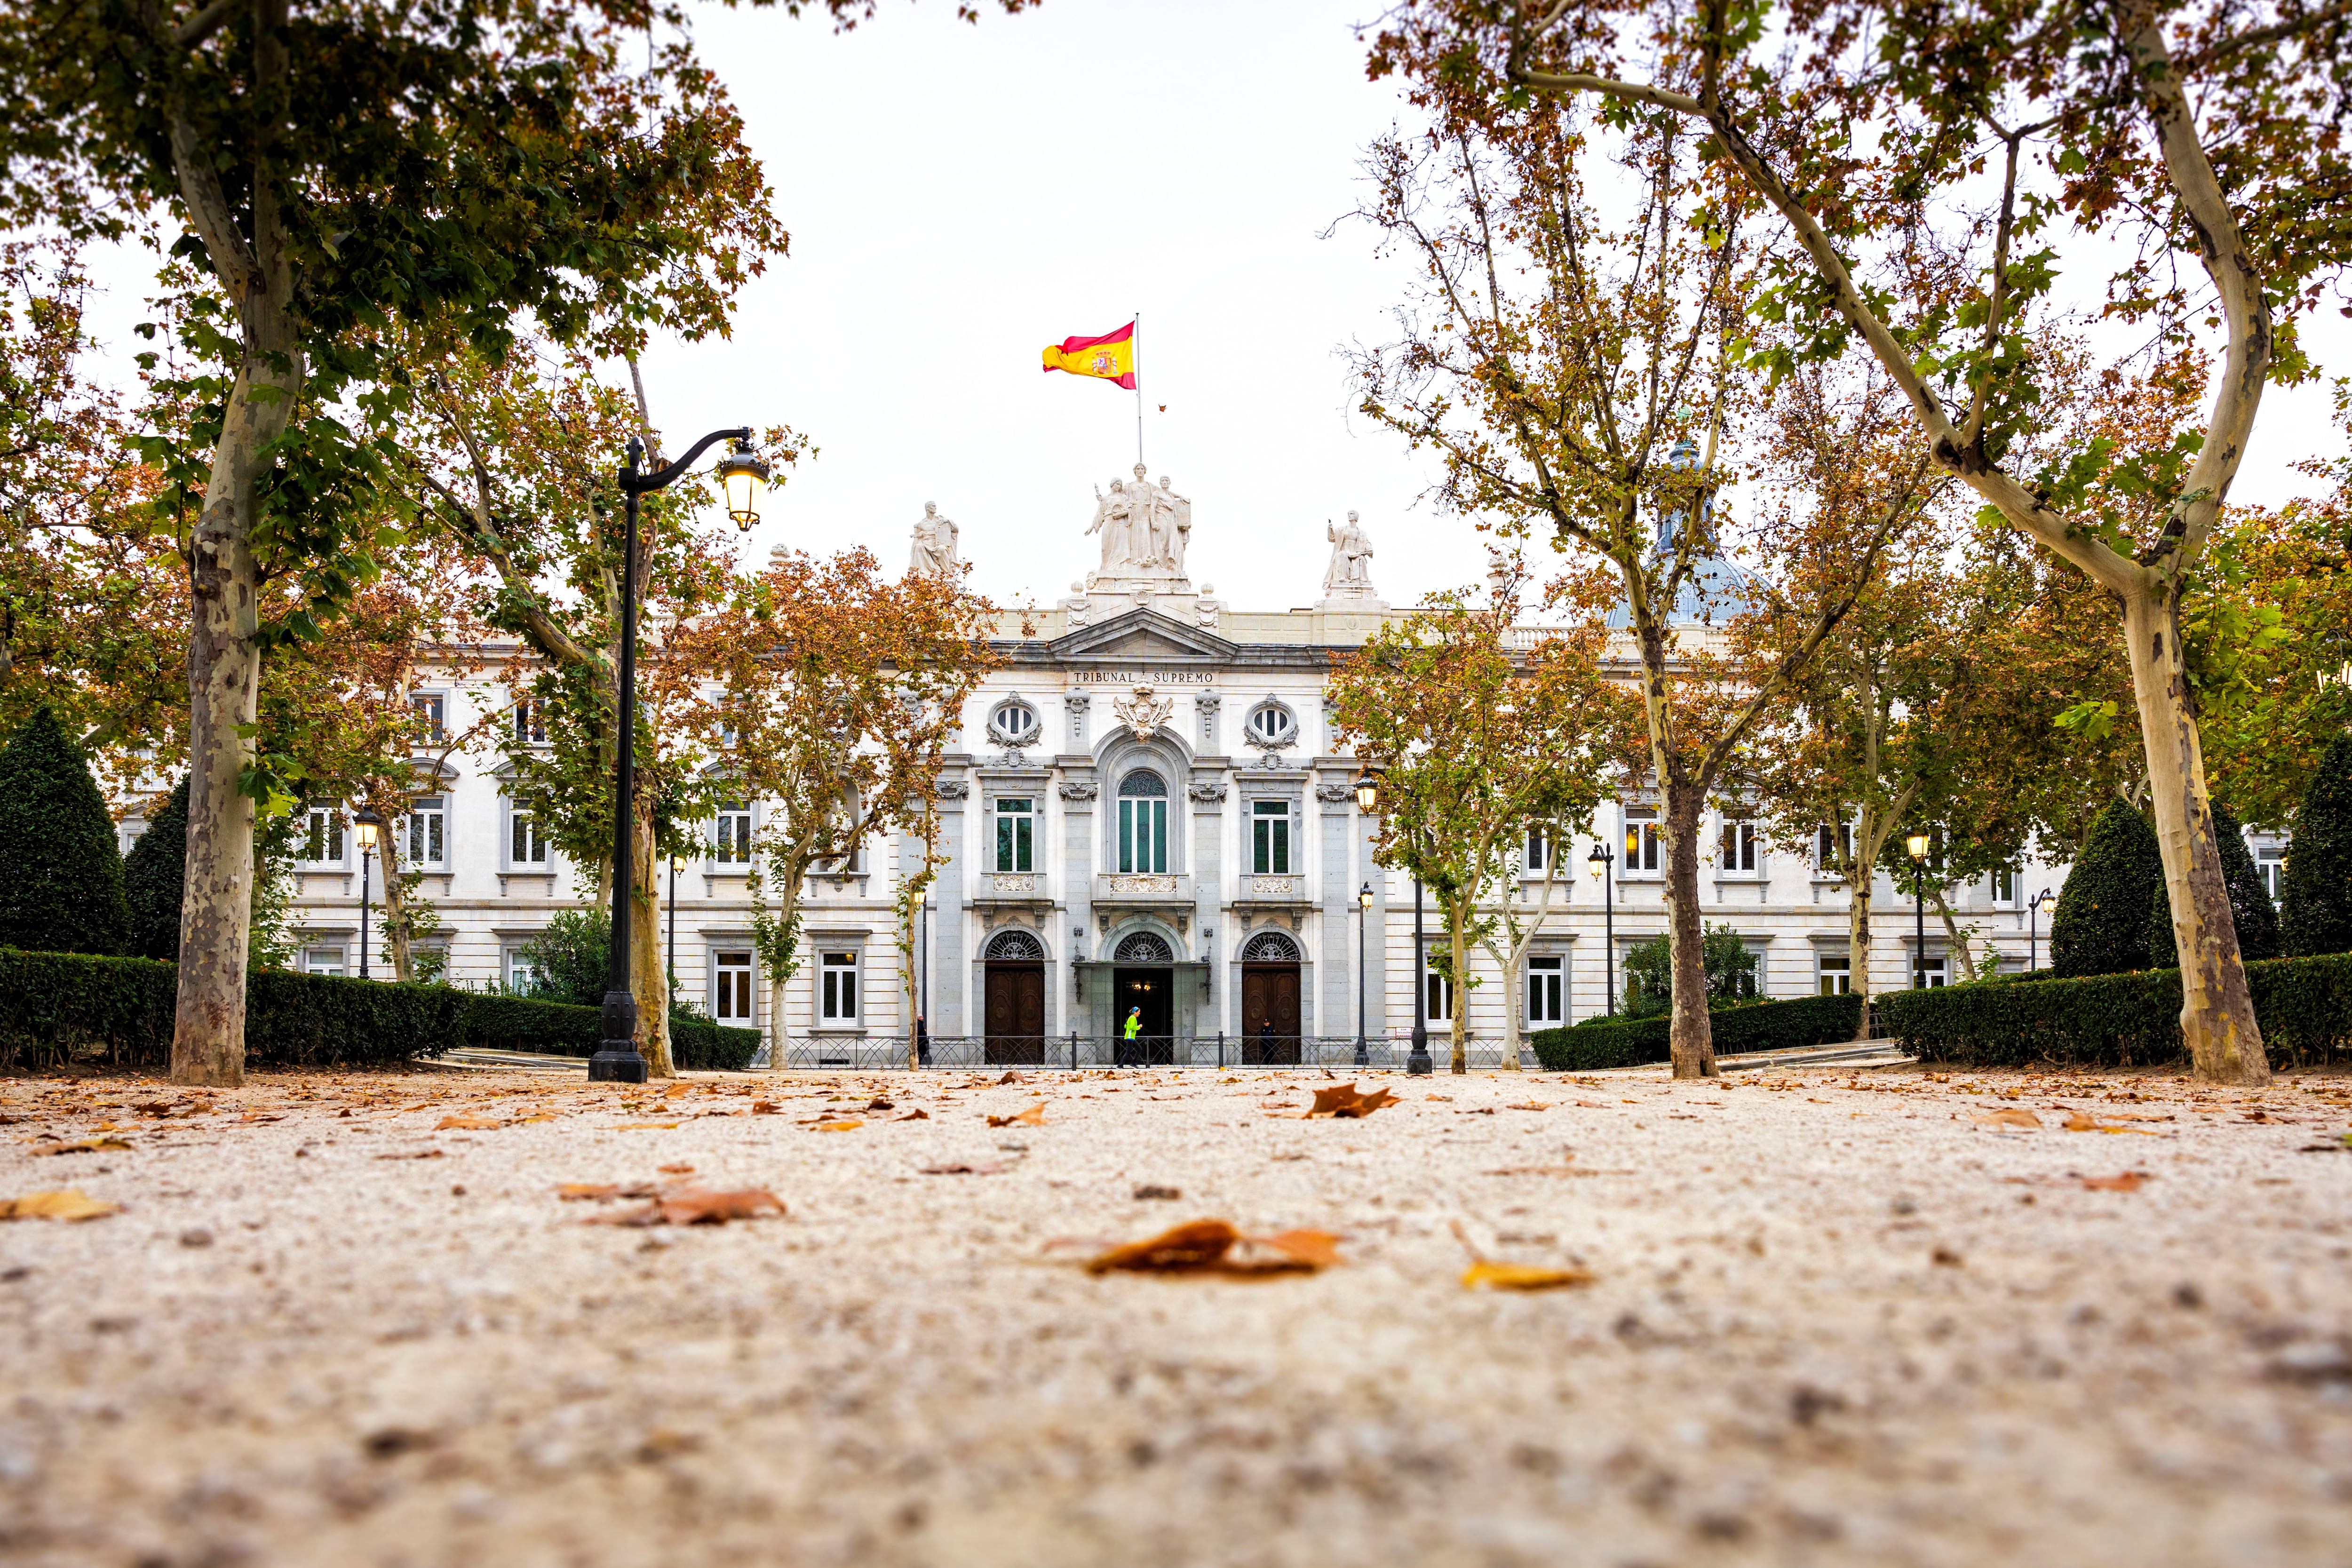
{"points": [[1144, 947], [1270, 947]]}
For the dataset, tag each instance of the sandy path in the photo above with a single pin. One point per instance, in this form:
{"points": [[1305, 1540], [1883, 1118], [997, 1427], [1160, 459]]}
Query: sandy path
{"points": [[1837, 1319]]}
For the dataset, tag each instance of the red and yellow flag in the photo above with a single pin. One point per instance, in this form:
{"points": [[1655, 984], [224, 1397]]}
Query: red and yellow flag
{"points": [[1110, 357]]}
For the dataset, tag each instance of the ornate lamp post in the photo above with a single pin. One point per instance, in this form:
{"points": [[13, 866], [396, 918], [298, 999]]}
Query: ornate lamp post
{"points": [[1600, 861], [742, 473], [922, 979], [1363, 919], [1917, 846], [369, 824], [2041, 901]]}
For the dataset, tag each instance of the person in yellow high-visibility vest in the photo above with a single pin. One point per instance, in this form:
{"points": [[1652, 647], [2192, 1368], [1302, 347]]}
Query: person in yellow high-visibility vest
{"points": [[1134, 1024]]}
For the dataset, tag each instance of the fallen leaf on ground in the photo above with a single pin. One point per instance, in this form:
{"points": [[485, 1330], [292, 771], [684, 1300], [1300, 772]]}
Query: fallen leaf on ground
{"points": [[2010, 1116], [257, 1116], [839, 1126], [879, 1103], [1490, 1275], [917, 1114], [1032, 1117], [1009, 1076], [985, 1168], [2262, 1116], [85, 1146], [1444, 1097], [1591, 1105], [695, 1205], [1349, 1100], [67, 1205], [1530, 1105], [584, 1192], [1556, 1170], [2129, 1181], [1148, 1191], [765, 1107], [468, 1124], [644, 1126], [414, 1154], [674, 1170], [1215, 1247]]}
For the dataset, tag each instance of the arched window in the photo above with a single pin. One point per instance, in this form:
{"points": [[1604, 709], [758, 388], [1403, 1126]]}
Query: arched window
{"points": [[1270, 947], [1143, 822], [1015, 947], [1144, 947]]}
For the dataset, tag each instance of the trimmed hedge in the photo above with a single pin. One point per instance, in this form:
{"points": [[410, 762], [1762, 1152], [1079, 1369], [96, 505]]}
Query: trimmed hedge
{"points": [[154, 878], [1790, 1024], [2100, 926], [2315, 889], [57, 1006], [60, 874], [2304, 1005]]}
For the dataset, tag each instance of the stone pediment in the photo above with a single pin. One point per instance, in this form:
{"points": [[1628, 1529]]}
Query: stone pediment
{"points": [[1141, 635]]}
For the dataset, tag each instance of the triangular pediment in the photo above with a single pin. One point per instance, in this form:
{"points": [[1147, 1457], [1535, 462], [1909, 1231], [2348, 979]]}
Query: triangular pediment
{"points": [[1141, 635]]}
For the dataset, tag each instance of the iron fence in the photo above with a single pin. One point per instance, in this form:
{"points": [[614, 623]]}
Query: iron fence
{"points": [[883, 1053]]}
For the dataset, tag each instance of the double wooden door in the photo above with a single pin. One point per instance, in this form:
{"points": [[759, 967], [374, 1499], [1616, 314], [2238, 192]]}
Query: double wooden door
{"points": [[1016, 1013], [1270, 995]]}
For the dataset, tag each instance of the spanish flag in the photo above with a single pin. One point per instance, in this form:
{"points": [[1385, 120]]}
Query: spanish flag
{"points": [[1110, 357]]}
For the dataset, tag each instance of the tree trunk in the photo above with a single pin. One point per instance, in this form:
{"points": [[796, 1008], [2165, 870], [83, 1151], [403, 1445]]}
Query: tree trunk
{"points": [[649, 977], [2217, 1011], [1457, 918], [397, 945], [1691, 1041], [1857, 947], [1953, 939]]}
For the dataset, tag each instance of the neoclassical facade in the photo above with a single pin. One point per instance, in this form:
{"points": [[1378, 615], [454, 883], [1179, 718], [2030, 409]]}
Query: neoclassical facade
{"points": [[1148, 811]]}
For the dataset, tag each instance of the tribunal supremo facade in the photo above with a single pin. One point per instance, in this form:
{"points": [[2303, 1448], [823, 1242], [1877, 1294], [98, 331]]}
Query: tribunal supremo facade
{"points": [[1148, 810]]}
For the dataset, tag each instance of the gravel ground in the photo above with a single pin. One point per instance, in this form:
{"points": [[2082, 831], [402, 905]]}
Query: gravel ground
{"points": [[1836, 1318]]}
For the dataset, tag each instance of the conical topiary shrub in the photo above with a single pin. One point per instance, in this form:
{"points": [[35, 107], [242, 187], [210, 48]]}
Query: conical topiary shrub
{"points": [[2316, 890], [2101, 924], [155, 879], [60, 873], [2250, 903]]}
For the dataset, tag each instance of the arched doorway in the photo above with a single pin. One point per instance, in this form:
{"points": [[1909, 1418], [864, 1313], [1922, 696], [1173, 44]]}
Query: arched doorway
{"points": [[1270, 1030], [1015, 1000], [1143, 980]]}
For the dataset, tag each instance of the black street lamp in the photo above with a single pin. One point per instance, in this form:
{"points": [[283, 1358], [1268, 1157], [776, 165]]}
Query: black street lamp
{"points": [[922, 979], [1363, 919], [2041, 901], [1600, 861], [369, 824], [1918, 844], [1418, 1063], [741, 472]]}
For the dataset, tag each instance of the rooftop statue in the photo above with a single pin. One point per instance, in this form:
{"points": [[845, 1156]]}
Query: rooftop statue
{"points": [[935, 545]]}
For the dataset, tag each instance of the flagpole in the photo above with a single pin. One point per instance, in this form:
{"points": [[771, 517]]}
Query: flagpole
{"points": [[1137, 334]]}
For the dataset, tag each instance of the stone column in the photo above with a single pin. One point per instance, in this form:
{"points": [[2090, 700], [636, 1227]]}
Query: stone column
{"points": [[1078, 791], [951, 902], [1211, 939]]}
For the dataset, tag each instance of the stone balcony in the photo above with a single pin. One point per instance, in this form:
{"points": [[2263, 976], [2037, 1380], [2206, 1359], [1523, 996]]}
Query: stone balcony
{"points": [[1139, 890], [1011, 890], [1257, 891]]}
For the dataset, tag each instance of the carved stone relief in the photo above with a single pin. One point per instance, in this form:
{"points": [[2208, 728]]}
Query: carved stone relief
{"points": [[1207, 792], [1079, 789]]}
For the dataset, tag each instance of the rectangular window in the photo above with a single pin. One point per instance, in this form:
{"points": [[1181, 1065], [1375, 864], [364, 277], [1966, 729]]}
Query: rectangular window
{"points": [[2269, 859], [322, 838], [522, 976], [1016, 836], [322, 961], [837, 987], [429, 829], [1143, 834], [2005, 885], [1828, 845], [1538, 849], [1438, 998], [731, 843], [1270, 837], [1833, 973], [730, 988], [531, 724], [1739, 848], [1640, 841], [1545, 986], [526, 845], [431, 712], [1931, 972]]}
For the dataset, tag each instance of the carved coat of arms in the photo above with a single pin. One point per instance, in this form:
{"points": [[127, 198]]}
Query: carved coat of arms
{"points": [[1145, 711]]}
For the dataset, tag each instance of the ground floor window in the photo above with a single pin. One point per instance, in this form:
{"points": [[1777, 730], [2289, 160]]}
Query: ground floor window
{"points": [[1833, 973], [1438, 998], [837, 987], [731, 987], [1931, 971], [322, 961], [522, 976], [2269, 859], [1546, 984]]}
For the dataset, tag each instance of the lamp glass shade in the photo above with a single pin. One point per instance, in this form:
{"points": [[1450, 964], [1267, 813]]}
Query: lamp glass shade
{"points": [[367, 834], [1368, 793], [740, 475], [1918, 844], [368, 824], [1364, 898], [1597, 861]]}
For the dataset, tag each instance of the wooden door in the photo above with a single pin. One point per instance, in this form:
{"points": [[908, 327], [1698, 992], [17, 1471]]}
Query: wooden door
{"points": [[1270, 995], [1016, 1013]]}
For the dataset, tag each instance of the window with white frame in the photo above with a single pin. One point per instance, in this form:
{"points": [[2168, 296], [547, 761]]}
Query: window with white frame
{"points": [[1271, 725], [522, 974], [2003, 885], [1270, 837], [2270, 863], [428, 833], [1437, 997], [1931, 971], [1539, 849], [1832, 972], [730, 986], [1016, 833], [1642, 855], [531, 722], [1143, 822], [837, 986], [1738, 855], [1828, 845], [1547, 990], [432, 716], [527, 847], [730, 835], [322, 960], [323, 835]]}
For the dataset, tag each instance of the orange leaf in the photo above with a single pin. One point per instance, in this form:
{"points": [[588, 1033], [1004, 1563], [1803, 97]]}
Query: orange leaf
{"points": [[1530, 1105], [1349, 1100], [1491, 1276], [644, 1126], [70, 1204], [765, 1107], [468, 1124], [2129, 1181], [2010, 1116], [1032, 1117], [917, 1114], [86, 1146], [1192, 1246], [697, 1206], [590, 1192], [676, 1169], [839, 1126]]}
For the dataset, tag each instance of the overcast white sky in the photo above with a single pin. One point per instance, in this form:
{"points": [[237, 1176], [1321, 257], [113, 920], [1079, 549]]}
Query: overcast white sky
{"points": [[959, 196]]}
